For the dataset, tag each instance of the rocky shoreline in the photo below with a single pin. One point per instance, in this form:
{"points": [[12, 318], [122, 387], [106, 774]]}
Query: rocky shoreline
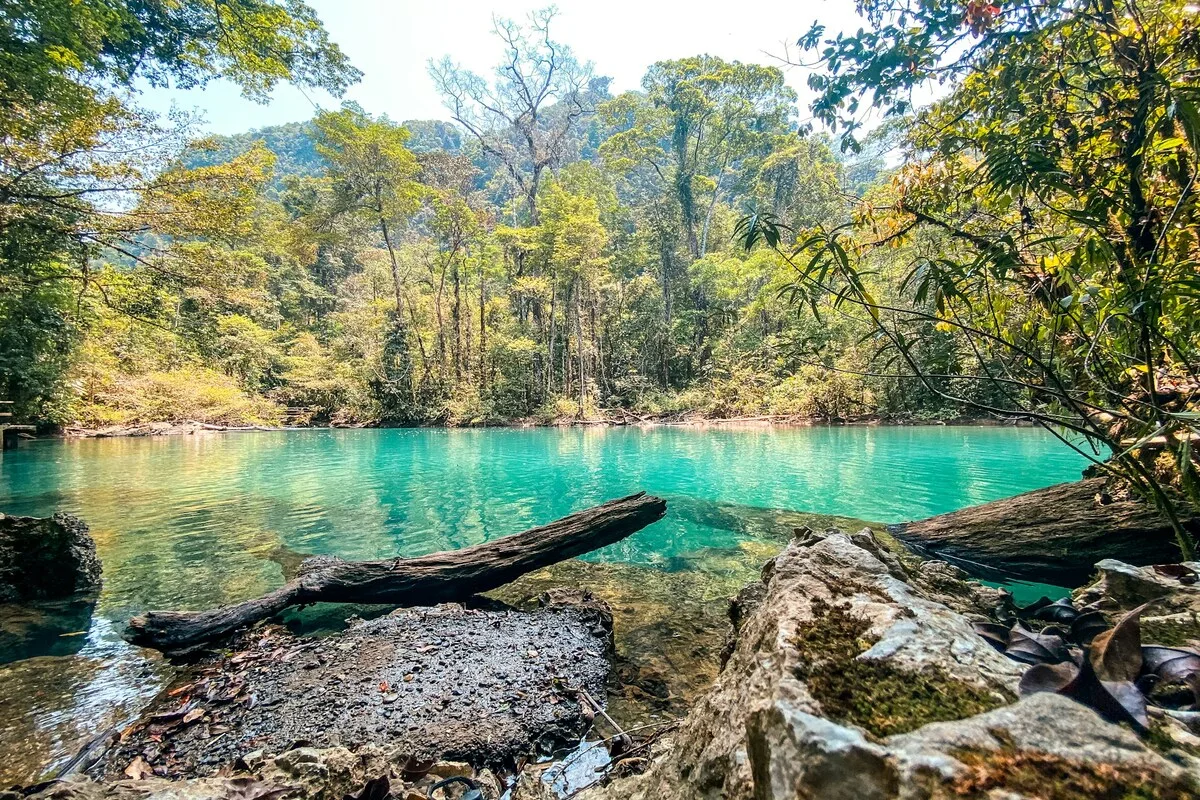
{"points": [[190, 428], [852, 671], [445, 683], [856, 677]]}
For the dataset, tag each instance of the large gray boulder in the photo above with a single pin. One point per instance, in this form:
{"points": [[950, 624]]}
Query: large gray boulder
{"points": [[46, 557], [849, 683]]}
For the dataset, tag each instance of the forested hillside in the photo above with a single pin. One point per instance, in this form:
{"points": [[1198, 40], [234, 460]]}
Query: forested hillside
{"points": [[550, 251], [553, 250]]}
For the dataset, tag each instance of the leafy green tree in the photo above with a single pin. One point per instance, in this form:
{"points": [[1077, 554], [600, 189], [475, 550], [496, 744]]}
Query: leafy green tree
{"points": [[709, 123], [572, 243], [371, 175], [76, 156], [1058, 178]]}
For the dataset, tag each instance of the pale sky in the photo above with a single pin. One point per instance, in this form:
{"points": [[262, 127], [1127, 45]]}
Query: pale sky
{"points": [[391, 41]]}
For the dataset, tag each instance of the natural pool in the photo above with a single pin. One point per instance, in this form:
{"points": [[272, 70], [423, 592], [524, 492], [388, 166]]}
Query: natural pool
{"points": [[194, 521]]}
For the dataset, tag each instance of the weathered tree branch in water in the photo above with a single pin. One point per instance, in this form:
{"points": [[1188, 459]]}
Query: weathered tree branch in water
{"points": [[1054, 535], [428, 580]]}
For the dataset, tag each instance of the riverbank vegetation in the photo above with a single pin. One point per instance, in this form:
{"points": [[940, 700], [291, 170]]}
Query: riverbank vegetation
{"points": [[1024, 244], [551, 250], [1046, 213]]}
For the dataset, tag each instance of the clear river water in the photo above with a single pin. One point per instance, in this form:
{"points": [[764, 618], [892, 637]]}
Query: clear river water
{"points": [[194, 521]]}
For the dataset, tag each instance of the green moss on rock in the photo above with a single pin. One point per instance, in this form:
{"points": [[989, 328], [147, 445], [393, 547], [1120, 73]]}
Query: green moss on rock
{"points": [[1170, 632], [874, 695], [1160, 740], [1051, 777]]}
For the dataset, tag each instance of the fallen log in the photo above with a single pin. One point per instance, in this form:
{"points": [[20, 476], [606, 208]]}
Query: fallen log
{"points": [[425, 581], [1054, 535]]}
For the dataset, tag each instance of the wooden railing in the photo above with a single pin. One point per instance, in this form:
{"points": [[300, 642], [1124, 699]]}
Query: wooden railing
{"points": [[10, 434]]}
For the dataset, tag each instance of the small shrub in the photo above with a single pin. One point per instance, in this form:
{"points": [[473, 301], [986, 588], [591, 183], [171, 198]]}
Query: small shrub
{"points": [[180, 395]]}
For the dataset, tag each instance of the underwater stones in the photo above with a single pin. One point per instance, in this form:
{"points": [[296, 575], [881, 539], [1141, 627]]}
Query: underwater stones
{"points": [[831, 689], [46, 557]]}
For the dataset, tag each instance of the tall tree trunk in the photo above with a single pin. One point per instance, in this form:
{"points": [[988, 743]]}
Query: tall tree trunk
{"points": [[456, 313], [709, 214], [387, 240], [681, 137], [687, 207], [441, 322], [550, 340], [579, 347], [483, 376], [566, 347], [666, 257], [416, 332], [531, 191]]}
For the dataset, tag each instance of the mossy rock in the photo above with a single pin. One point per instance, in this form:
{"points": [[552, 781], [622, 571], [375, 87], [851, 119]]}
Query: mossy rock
{"points": [[1051, 777], [1180, 630], [875, 696]]}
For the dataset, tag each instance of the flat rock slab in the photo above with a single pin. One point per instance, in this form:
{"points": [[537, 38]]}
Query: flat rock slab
{"points": [[436, 683]]}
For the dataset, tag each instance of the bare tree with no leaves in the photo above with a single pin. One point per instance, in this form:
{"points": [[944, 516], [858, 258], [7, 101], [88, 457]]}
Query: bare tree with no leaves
{"points": [[526, 116]]}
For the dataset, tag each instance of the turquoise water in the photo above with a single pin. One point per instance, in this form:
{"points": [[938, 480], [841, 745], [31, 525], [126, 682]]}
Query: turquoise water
{"points": [[190, 521], [195, 521]]}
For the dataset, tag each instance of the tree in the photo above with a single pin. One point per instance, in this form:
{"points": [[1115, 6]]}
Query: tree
{"points": [[456, 226], [371, 175], [572, 243], [1059, 177], [527, 117], [82, 172], [698, 136], [709, 123]]}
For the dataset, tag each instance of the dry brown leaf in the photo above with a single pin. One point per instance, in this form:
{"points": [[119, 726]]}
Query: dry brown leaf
{"points": [[138, 769], [1116, 654]]}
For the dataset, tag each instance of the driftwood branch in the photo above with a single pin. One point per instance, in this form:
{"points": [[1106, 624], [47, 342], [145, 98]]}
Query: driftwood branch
{"points": [[428, 580], [1054, 535]]}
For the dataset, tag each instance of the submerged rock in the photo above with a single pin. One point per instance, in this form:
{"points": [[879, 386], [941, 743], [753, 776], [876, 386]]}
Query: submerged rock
{"points": [[46, 557], [848, 682], [441, 683]]}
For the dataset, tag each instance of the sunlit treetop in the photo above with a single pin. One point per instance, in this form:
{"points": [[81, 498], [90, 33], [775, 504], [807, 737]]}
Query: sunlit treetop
{"points": [[185, 43], [910, 43]]}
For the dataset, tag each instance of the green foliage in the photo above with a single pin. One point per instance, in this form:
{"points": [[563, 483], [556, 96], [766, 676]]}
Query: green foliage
{"points": [[188, 394], [86, 175], [552, 254], [47, 44], [1047, 213], [39, 329], [293, 145]]}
